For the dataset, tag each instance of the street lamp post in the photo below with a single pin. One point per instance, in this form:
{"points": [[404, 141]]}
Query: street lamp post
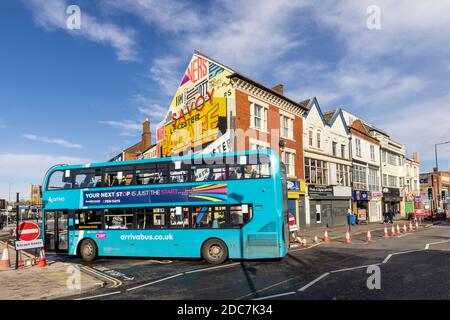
{"points": [[437, 173]]}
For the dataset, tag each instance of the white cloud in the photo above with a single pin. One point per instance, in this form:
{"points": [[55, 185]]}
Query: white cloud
{"points": [[127, 127], [164, 71], [21, 170], [60, 142], [51, 14], [174, 16], [407, 27]]}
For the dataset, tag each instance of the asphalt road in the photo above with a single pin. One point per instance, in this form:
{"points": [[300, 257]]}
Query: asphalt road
{"points": [[410, 266]]}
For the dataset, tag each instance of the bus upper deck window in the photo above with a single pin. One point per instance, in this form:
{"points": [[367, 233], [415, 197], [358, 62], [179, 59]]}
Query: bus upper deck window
{"points": [[58, 180]]}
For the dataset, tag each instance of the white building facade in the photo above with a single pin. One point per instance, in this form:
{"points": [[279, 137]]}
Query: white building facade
{"points": [[327, 166]]}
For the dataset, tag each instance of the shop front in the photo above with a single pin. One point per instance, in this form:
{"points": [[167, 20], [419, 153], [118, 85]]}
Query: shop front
{"points": [[296, 201], [392, 200], [328, 205], [375, 203], [361, 206]]}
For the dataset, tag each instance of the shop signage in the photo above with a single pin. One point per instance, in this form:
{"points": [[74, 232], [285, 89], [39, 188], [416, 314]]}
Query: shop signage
{"points": [[360, 195], [424, 180], [293, 185], [214, 193], [319, 190]]}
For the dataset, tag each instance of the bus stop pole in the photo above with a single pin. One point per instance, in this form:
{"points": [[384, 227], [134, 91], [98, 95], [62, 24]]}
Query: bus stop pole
{"points": [[17, 229]]}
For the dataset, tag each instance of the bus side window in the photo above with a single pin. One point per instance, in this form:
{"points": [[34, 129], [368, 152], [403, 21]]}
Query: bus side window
{"points": [[179, 217], [88, 219], [240, 215], [159, 218], [178, 175], [118, 177], [143, 218]]}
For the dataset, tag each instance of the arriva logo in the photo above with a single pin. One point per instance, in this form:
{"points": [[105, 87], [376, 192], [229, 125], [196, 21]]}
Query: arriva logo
{"points": [[56, 199]]}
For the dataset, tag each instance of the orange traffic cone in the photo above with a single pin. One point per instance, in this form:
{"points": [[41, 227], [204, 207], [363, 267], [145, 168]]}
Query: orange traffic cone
{"points": [[347, 237], [5, 258], [304, 242], [405, 230], [369, 235], [393, 231], [385, 234], [325, 236], [316, 239], [42, 261], [398, 230]]}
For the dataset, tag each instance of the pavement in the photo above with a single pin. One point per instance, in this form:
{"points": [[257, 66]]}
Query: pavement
{"points": [[56, 280]]}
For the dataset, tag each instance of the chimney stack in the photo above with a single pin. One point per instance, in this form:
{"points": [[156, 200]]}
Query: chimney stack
{"points": [[416, 156], [279, 88], [146, 135]]}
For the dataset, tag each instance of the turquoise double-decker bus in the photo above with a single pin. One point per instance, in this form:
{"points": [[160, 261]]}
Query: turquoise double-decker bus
{"points": [[215, 207]]}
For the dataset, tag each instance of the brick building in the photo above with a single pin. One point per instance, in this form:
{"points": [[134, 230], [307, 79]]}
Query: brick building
{"points": [[440, 182], [216, 109]]}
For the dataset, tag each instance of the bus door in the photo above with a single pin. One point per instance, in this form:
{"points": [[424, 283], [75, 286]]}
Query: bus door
{"points": [[55, 233]]}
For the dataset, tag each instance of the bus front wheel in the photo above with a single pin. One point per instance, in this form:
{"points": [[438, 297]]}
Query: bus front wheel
{"points": [[215, 251], [88, 250]]}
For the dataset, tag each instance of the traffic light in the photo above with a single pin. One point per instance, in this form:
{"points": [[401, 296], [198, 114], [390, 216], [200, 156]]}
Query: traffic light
{"points": [[430, 193]]}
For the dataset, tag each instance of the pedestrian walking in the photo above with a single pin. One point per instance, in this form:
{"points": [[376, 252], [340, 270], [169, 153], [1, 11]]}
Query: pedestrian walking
{"points": [[2, 220], [391, 215]]}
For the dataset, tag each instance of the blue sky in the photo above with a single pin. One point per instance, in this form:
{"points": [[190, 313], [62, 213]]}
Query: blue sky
{"points": [[81, 95]]}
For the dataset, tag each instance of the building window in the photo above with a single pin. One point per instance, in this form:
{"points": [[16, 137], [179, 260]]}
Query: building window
{"points": [[359, 177], [372, 152], [358, 147], [258, 117], [392, 181], [289, 162], [383, 156], [310, 138], [343, 151], [334, 148], [287, 127], [385, 180], [319, 140], [342, 175], [391, 159], [374, 180], [401, 182], [316, 171], [400, 160]]}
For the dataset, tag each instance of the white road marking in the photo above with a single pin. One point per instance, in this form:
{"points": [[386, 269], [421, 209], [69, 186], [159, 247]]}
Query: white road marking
{"points": [[264, 289], [314, 281], [99, 295], [212, 268], [354, 268], [433, 243], [387, 258], [156, 281], [310, 247], [276, 295]]}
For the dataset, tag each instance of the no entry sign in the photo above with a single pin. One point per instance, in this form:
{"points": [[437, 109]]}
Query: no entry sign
{"points": [[28, 231]]}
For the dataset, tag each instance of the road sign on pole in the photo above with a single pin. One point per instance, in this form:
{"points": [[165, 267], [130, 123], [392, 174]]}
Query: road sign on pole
{"points": [[28, 231]]}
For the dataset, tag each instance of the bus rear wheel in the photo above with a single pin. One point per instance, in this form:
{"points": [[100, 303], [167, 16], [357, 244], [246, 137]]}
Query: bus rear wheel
{"points": [[88, 250], [215, 251]]}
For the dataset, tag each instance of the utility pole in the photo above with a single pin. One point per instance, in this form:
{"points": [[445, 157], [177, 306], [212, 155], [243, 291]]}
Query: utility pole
{"points": [[437, 197]]}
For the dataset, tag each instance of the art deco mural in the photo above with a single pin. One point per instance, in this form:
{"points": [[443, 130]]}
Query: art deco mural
{"points": [[198, 113]]}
